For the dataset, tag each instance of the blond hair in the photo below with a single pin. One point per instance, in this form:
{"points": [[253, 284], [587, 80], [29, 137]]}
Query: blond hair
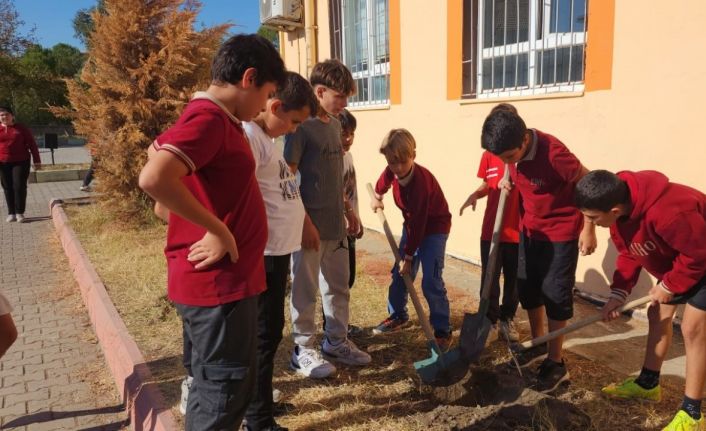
{"points": [[398, 145]]}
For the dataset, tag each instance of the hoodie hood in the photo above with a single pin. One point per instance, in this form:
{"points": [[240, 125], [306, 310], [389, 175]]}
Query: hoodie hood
{"points": [[646, 187]]}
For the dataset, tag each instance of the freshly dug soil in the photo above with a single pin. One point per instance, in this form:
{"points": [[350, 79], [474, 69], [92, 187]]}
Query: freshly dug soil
{"points": [[499, 399]]}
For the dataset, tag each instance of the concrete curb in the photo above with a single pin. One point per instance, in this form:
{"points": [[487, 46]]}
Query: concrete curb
{"points": [[132, 376]]}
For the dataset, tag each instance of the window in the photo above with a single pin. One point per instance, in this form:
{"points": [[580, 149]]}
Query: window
{"points": [[523, 47], [360, 39]]}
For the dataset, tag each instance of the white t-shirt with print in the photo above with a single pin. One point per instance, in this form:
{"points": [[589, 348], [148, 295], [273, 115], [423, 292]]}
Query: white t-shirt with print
{"points": [[283, 202]]}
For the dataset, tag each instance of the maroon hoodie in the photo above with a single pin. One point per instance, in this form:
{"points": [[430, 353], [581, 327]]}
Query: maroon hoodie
{"points": [[422, 202], [664, 233]]}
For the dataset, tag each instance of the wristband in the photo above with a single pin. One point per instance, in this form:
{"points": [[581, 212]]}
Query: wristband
{"points": [[665, 288]]}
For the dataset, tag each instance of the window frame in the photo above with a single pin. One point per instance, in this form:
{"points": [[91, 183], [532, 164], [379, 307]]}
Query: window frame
{"points": [[540, 40], [373, 68]]}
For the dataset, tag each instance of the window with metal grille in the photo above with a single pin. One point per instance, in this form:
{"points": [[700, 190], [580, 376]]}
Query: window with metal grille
{"points": [[523, 47], [360, 39]]}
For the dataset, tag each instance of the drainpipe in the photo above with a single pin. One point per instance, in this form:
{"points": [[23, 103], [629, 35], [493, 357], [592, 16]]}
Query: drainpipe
{"points": [[310, 34]]}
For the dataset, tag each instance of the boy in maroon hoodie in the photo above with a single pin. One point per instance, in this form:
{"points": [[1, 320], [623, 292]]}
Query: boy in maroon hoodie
{"points": [[427, 222], [552, 232], [659, 226]]}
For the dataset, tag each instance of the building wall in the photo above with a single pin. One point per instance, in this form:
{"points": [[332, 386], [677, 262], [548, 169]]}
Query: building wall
{"points": [[648, 118]]}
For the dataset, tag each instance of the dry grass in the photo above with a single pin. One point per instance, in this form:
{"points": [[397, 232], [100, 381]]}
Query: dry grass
{"points": [[385, 396]]}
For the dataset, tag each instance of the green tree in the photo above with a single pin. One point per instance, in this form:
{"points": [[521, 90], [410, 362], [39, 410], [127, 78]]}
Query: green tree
{"points": [[67, 59], [269, 34], [144, 61], [83, 22]]}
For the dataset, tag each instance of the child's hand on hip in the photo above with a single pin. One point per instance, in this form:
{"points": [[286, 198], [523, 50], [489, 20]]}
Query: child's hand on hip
{"points": [[212, 247]]}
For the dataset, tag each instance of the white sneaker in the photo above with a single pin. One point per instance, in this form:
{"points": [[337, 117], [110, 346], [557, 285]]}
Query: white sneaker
{"points": [[492, 335], [508, 327], [11, 218], [185, 388], [310, 363], [21, 218], [345, 352]]}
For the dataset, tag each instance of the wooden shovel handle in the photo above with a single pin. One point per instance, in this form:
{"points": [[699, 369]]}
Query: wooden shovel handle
{"points": [[580, 324], [421, 315]]}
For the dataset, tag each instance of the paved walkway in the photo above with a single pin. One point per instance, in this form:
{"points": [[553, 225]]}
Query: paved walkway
{"points": [[54, 377]]}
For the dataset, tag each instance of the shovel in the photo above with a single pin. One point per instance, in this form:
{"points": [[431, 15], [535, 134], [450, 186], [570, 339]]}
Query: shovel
{"points": [[440, 368], [519, 347], [475, 327]]}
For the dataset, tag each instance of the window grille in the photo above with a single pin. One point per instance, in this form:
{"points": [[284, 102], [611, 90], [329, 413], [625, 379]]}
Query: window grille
{"points": [[523, 47], [360, 39]]}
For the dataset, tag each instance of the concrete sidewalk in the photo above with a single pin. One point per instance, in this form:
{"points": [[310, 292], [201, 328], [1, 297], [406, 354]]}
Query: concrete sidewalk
{"points": [[47, 376], [619, 345]]}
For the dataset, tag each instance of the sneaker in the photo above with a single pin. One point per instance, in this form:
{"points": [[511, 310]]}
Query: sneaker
{"points": [[508, 329], [550, 375], [345, 352], [21, 218], [683, 422], [390, 324], [310, 363], [85, 188], [444, 340], [185, 388], [492, 335], [11, 218], [630, 390], [529, 357]]}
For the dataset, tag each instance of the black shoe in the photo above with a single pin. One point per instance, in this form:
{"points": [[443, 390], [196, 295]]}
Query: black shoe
{"points": [[273, 427], [529, 357], [550, 375], [354, 331]]}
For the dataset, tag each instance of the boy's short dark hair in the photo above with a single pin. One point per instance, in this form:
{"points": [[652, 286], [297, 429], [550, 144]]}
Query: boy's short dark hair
{"points": [[503, 130], [601, 190], [244, 51], [6, 109], [296, 93], [334, 75], [348, 121], [503, 107]]}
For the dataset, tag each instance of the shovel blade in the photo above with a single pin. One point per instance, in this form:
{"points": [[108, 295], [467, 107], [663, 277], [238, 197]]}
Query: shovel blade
{"points": [[474, 334], [441, 370]]}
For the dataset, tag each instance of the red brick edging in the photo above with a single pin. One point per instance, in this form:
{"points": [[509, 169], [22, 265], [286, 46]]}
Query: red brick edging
{"points": [[146, 406]]}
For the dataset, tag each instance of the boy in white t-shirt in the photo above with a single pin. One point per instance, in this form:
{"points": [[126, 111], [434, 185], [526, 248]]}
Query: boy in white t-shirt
{"points": [[291, 105]]}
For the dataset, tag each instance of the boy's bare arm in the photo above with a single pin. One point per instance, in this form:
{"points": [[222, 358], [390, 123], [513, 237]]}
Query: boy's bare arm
{"points": [[479, 193], [293, 167], [161, 179]]}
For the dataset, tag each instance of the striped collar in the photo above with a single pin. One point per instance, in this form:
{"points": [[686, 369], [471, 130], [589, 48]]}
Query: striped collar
{"points": [[208, 96]]}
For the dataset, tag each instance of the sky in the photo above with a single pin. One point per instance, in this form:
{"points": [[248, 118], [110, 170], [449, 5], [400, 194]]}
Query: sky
{"points": [[52, 18]]}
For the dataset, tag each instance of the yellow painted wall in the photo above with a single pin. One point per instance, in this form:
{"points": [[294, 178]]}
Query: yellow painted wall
{"points": [[649, 118]]}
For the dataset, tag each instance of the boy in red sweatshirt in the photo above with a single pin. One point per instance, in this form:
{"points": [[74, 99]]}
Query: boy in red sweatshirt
{"points": [[545, 173], [427, 222], [659, 226]]}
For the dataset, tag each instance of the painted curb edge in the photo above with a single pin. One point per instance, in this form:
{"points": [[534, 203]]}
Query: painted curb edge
{"points": [[145, 404]]}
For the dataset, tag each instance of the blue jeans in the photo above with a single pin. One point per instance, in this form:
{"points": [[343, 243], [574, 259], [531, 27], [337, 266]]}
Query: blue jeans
{"points": [[430, 254]]}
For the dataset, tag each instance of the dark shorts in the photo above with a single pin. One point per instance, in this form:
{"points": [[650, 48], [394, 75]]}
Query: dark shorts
{"points": [[546, 275], [696, 296]]}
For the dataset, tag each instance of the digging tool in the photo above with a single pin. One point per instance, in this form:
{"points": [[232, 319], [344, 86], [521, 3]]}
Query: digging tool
{"points": [[576, 326], [439, 368], [475, 327]]}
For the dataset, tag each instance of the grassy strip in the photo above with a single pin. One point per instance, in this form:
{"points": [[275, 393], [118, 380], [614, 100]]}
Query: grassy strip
{"points": [[384, 396]]}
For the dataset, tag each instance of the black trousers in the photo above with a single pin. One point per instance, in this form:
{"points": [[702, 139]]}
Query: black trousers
{"points": [[14, 183], [89, 175], [223, 358], [507, 262], [270, 323]]}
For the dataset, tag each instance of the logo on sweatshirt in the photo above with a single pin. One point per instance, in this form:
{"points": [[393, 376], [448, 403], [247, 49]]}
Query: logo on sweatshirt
{"points": [[642, 249]]}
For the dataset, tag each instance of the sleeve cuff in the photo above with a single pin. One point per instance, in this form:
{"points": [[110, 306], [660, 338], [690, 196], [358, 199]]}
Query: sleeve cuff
{"points": [[619, 295]]}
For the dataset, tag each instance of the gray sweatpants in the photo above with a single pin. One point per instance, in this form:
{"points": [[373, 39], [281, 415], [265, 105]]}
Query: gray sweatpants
{"points": [[332, 261]]}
